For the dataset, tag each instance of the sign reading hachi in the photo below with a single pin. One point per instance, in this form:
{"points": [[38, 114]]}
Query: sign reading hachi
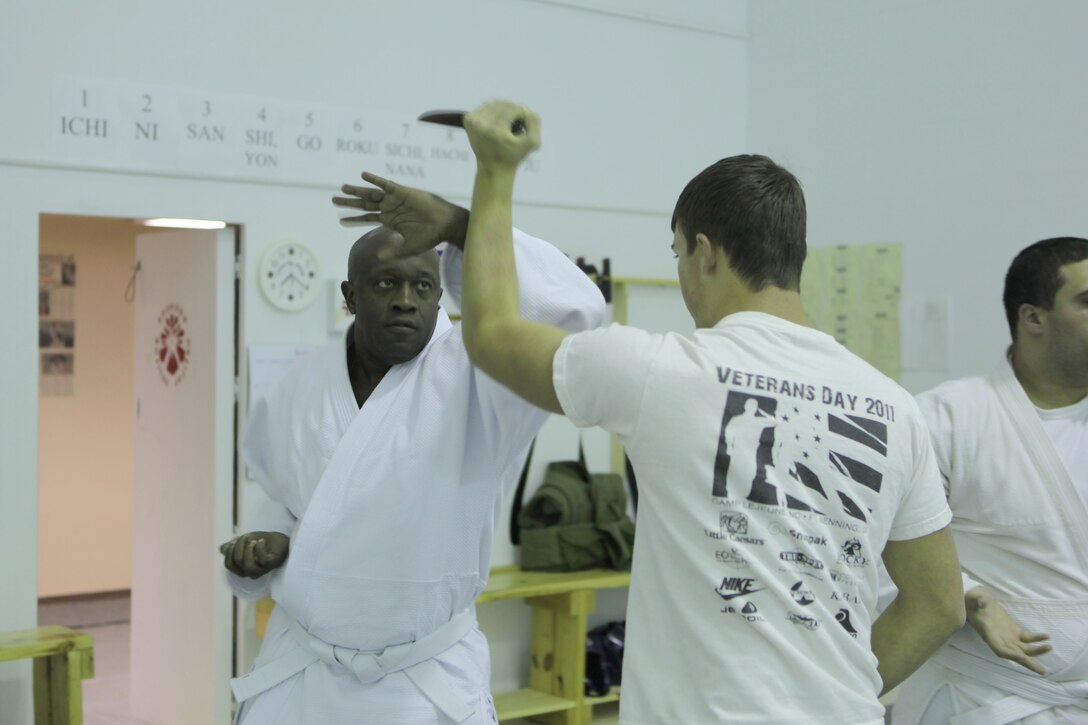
{"points": [[120, 125]]}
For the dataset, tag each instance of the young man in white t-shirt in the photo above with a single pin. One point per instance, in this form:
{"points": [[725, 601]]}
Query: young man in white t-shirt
{"points": [[774, 467], [1013, 449]]}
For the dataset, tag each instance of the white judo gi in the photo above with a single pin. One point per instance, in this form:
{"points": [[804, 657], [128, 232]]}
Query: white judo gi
{"points": [[391, 510], [1021, 530]]}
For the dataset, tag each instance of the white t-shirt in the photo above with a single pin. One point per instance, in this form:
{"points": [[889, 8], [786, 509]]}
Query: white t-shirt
{"points": [[1068, 430], [773, 465]]}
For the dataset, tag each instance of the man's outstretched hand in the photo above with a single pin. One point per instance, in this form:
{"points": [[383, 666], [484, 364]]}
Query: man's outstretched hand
{"points": [[1002, 633], [255, 554], [502, 133], [422, 219]]}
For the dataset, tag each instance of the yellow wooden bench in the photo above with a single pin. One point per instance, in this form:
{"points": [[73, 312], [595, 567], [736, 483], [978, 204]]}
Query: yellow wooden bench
{"points": [[561, 603], [63, 658]]}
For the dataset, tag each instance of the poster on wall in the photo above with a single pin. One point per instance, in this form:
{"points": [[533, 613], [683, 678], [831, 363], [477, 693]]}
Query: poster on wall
{"points": [[852, 293], [56, 324]]}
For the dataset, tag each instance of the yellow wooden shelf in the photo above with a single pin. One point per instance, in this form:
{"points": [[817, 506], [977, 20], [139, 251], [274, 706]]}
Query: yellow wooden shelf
{"points": [[62, 658], [513, 583], [528, 702], [45, 642], [561, 603]]}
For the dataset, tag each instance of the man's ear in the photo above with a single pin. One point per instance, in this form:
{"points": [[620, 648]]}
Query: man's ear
{"points": [[1029, 319], [707, 252], [349, 297]]}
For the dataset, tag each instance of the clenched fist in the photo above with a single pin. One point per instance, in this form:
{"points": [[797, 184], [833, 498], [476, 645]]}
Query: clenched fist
{"points": [[502, 133], [255, 554]]}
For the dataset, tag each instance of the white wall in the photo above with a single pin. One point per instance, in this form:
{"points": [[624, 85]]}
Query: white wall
{"points": [[632, 109], [953, 127]]}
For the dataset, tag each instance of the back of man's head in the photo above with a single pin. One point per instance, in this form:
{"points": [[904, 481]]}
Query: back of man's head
{"points": [[755, 210], [1034, 276]]}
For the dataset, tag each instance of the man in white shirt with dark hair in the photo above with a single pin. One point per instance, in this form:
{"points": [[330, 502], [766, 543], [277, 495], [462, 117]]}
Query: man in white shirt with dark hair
{"points": [[1013, 449], [753, 587]]}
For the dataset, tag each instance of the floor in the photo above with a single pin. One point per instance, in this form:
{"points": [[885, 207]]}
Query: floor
{"points": [[106, 618]]}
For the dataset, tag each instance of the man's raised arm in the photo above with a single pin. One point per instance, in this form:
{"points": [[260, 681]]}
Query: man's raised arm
{"points": [[513, 351]]}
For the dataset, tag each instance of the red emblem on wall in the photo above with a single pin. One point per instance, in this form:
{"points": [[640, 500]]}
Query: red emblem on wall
{"points": [[172, 345]]}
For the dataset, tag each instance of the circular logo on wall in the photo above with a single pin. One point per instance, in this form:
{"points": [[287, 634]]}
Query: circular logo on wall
{"points": [[172, 345]]}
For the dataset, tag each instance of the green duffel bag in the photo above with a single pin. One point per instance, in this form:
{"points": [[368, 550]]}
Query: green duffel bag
{"points": [[575, 520]]}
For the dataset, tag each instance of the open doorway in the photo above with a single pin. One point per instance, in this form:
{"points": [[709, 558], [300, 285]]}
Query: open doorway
{"points": [[137, 419]]}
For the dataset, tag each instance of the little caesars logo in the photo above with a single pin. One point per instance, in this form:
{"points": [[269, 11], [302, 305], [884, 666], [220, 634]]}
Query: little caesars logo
{"points": [[851, 554], [733, 527]]}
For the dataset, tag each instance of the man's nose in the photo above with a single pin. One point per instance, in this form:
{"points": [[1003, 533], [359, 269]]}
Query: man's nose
{"points": [[405, 298]]}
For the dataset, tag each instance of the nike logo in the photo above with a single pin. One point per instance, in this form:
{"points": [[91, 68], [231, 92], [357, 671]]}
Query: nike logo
{"points": [[734, 595]]}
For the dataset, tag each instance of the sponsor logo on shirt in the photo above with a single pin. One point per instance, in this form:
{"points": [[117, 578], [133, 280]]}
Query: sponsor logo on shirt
{"points": [[734, 523], [800, 560], [721, 536], [802, 594], [841, 577], [809, 538], [737, 586], [806, 622], [734, 527], [749, 612], [851, 554], [731, 558], [799, 535], [843, 617], [845, 597]]}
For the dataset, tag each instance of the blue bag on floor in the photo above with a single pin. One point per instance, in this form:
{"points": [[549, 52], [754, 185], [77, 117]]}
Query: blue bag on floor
{"points": [[604, 658]]}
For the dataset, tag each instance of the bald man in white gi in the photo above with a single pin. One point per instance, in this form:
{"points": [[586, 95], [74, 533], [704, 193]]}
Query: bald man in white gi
{"points": [[1013, 449], [387, 457]]}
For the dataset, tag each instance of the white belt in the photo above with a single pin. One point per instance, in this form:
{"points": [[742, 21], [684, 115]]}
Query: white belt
{"points": [[1030, 694], [415, 659]]}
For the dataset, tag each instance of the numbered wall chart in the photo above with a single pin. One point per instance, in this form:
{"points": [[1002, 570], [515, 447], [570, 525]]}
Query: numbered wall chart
{"points": [[852, 293], [143, 127]]}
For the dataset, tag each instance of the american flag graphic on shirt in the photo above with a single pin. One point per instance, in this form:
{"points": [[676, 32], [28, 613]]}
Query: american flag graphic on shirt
{"points": [[799, 454]]}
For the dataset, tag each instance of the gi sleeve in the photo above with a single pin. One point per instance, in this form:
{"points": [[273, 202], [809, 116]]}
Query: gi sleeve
{"points": [[939, 424], [600, 376], [938, 419], [551, 290], [259, 453]]}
